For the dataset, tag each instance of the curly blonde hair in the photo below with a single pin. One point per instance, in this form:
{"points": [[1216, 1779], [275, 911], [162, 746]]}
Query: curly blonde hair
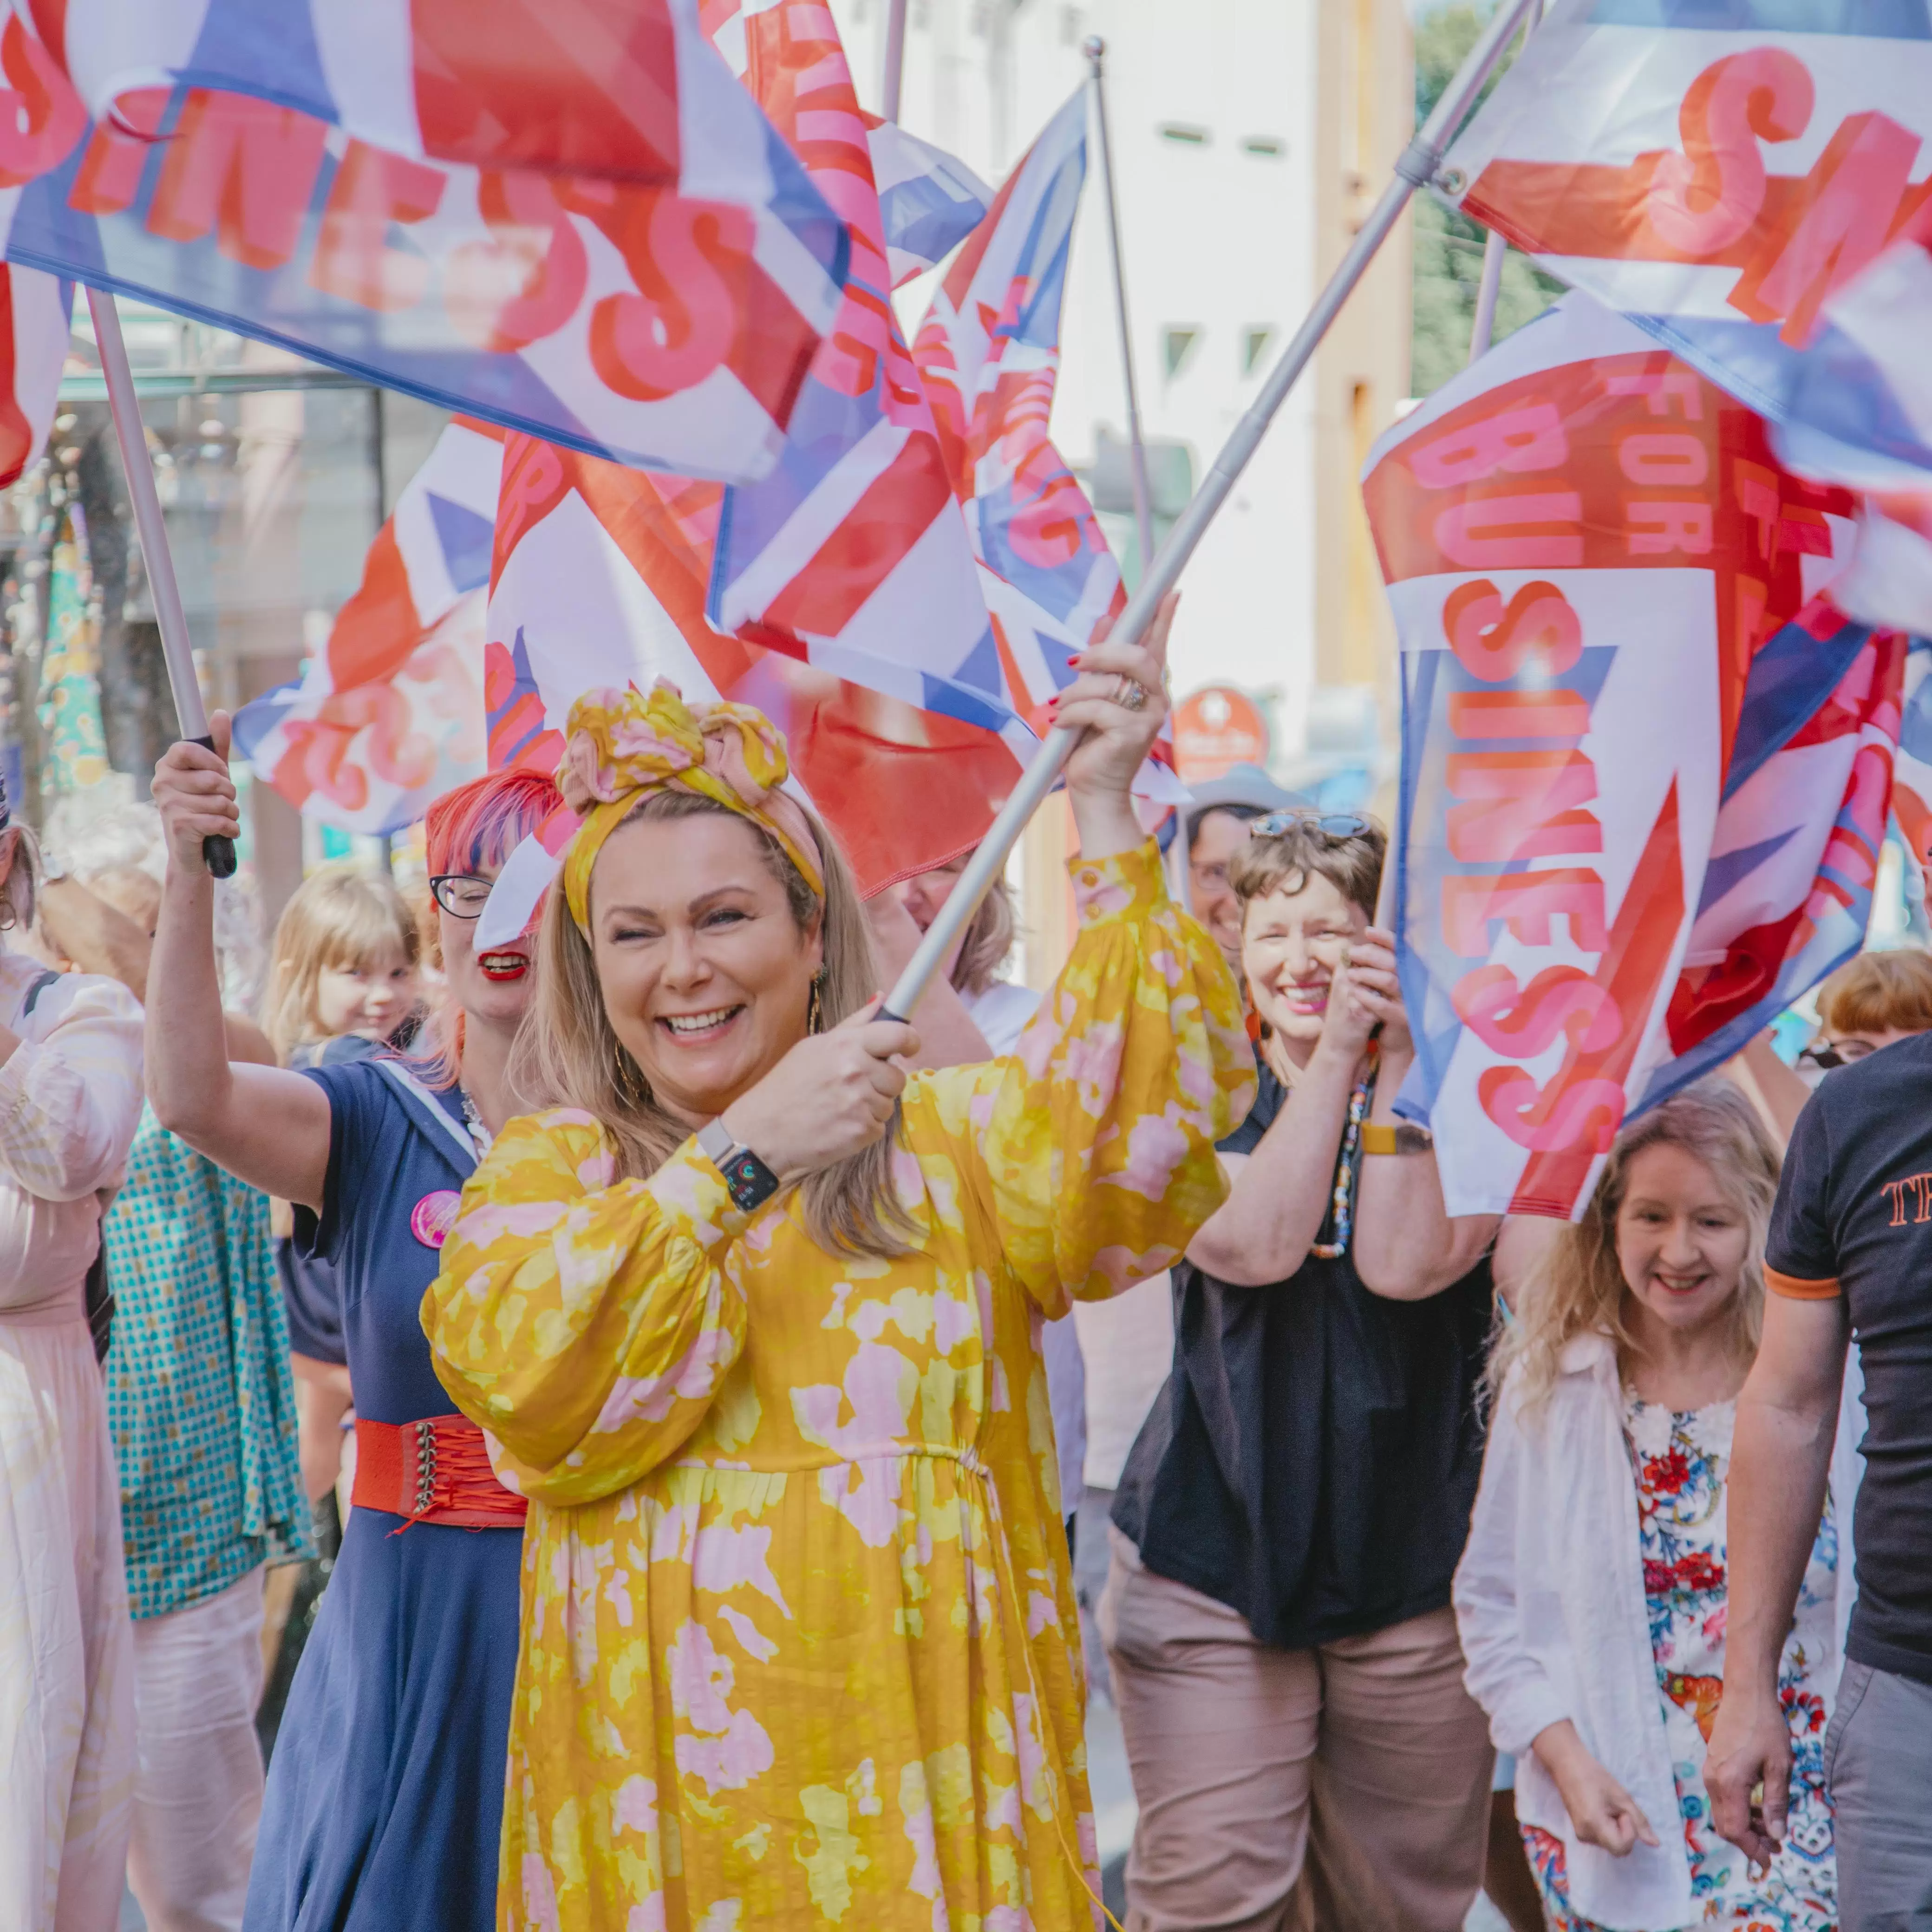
{"points": [[1577, 1286]]}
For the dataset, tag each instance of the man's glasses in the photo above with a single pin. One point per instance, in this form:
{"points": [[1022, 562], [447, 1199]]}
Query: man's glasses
{"points": [[461, 895], [1329, 824], [1825, 1055]]}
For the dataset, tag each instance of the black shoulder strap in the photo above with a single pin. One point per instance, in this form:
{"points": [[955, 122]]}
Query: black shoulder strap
{"points": [[34, 991]]}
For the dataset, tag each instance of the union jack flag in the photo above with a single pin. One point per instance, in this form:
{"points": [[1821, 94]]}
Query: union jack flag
{"points": [[391, 712]]}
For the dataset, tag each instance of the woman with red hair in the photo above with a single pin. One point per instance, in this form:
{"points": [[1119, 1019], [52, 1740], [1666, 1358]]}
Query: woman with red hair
{"points": [[386, 1793]]}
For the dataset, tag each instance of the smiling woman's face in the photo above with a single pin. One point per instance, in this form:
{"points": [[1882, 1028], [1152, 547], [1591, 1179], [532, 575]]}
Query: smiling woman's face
{"points": [[1291, 944], [496, 987], [706, 977], [1682, 1241]]}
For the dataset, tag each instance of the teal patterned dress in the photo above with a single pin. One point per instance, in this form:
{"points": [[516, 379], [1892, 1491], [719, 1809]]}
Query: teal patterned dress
{"points": [[199, 1397]]}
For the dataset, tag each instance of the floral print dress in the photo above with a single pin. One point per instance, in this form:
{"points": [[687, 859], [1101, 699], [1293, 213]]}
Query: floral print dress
{"points": [[1680, 1459], [799, 1646]]}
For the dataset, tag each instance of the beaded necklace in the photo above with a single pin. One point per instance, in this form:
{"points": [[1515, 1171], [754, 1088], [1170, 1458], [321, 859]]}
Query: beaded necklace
{"points": [[1342, 1211], [481, 1138]]}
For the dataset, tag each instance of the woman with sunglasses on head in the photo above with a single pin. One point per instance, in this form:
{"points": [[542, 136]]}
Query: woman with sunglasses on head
{"points": [[385, 1791], [754, 1317], [1277, 1614]]}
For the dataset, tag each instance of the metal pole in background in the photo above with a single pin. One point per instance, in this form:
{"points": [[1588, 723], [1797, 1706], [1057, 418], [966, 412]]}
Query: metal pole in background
{"points": [[176, 650], [1494, 249], [1417, 164], [1096, 51], [895, 71]]}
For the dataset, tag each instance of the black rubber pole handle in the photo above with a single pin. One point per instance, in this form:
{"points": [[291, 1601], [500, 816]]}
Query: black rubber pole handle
{"points": [[217, 849]]}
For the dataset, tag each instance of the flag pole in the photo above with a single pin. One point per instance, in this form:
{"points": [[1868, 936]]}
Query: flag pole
{"points": [[1417, 164], [1494, 249], [1096, 51], [176, 650], [894, 67]]}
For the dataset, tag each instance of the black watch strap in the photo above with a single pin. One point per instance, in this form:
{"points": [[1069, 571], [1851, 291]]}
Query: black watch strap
{"points": [[749, 1181]]}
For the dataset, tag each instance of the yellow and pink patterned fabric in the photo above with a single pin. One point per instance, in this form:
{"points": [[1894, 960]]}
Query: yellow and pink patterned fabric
{"points": [[619, 744], [799, 1646]]}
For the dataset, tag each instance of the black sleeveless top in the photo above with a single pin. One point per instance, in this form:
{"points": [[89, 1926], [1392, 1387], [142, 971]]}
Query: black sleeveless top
{"points": [[1313, 1460]]}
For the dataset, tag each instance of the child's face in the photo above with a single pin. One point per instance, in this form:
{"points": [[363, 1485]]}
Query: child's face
{"points": [[372, 999]]}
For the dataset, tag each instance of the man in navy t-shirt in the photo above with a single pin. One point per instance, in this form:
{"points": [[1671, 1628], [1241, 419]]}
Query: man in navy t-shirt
{"points": [[1849, 1252]]}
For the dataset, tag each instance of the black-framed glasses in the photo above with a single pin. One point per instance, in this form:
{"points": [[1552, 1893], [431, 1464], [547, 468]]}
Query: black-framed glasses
{"points": [[1329, 824], [1827, 1054], [461, 895]]}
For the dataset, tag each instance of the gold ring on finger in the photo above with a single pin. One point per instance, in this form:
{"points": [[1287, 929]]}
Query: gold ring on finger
{"points": [[1130, 695]]}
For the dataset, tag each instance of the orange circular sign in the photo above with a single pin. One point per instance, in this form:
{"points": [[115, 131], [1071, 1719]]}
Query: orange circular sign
{"points": [[1217, 728]]}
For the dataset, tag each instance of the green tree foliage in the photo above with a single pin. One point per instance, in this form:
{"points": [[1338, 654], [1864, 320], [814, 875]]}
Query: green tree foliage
{"points": [[1449, 246]]}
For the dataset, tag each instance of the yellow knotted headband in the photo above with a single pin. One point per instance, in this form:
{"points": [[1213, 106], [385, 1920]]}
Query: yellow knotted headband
{"points": [[620, 744]]}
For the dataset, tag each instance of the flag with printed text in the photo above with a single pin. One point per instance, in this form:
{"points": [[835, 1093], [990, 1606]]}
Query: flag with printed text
{"points": [[569, 220], [1646, 759], [1747, 182]]}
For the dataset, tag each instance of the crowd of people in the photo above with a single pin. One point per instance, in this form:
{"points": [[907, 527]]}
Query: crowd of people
{"points": [[652, 1391]]}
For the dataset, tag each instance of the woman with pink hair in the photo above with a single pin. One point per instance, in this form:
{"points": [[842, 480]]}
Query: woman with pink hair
{"points": [[386, 1788]]}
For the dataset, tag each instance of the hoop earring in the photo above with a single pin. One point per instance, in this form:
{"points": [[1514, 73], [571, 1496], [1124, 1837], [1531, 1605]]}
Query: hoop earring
{"points": [[814, 1011]]}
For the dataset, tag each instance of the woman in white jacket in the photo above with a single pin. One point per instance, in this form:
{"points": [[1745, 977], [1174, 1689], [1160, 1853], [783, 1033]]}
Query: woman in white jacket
{"points": [[1591, 1597]]}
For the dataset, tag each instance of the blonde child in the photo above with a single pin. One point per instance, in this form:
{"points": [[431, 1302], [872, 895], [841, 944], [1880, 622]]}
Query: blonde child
{"points": [[346, 964], [343, 979]]}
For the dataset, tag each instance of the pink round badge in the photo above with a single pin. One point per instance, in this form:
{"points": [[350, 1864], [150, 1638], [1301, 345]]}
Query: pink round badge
{"points": [[431, 1219]]}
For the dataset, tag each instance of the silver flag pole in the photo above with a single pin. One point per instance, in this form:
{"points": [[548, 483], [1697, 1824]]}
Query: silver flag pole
{"points": [[1416, 165]]}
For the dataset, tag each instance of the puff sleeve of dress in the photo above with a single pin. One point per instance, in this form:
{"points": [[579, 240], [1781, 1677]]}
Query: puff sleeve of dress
{"points": [[585, 1324], [70, 1092], [1093, 1144]]}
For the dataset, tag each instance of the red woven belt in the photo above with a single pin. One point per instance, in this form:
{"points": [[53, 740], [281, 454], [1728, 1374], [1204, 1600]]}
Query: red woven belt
{"points": [[434, 1471]]}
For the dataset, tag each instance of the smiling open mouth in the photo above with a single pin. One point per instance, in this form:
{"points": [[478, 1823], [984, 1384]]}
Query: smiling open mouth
{"points": [[690, 1029], [503, 965], [1676, 1284]]}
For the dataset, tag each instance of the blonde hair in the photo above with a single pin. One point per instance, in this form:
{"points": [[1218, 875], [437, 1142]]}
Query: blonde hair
{"points": [[1879, 992], [568, 1054], [989, 938], [338, 917], [1577, 1286]]}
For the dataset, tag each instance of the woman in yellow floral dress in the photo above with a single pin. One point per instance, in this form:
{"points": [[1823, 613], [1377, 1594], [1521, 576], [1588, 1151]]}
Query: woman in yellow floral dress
{"points": [[798, 1636]]}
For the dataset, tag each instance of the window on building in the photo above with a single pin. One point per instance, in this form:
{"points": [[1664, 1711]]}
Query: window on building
{"points": [[1268, 146], [1185, 132], [1177, 349], [1254, 345]]}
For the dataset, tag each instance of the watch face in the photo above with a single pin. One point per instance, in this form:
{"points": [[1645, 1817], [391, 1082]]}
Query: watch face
{"points": [[749, 1181]]}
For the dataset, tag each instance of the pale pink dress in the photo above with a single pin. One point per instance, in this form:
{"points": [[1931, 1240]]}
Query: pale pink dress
{"points": [[70, 1098]]}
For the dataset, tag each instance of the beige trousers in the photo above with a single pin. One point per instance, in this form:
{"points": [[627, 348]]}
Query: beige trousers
{"points": [[1345, 1789]]}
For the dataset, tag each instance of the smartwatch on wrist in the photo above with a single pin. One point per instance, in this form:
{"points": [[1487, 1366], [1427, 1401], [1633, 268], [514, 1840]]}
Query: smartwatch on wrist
{"points": [[749, 1181], [1404, 1137]]}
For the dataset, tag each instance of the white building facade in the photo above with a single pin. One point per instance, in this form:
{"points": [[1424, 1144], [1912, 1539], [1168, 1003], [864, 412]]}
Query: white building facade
{"points": [[1249, 137]]}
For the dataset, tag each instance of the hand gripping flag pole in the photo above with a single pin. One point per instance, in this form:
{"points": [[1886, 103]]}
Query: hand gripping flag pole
{"points": [[1417, 164], [1096, 51], [218, 850]]}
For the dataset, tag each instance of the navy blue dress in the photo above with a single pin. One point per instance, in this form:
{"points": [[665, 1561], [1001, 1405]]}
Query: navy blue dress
{"points": [[386, 1793]]}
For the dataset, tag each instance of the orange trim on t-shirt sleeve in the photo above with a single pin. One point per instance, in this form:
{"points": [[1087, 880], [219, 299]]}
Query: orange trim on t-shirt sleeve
{"points": [[1794, 1289]]}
